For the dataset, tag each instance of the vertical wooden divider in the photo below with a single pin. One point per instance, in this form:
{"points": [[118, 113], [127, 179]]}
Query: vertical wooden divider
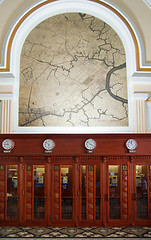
{"points": [[21, 190], [124, 192], [2, 192], [77, 192], [48, 192], [150, 191], [28, 181], [90, 183], [57, 192]]}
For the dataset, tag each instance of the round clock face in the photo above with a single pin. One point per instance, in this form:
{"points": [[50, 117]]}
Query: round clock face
{"points": [[131, 144], [90, 144], [8, 144], [48, 144]]}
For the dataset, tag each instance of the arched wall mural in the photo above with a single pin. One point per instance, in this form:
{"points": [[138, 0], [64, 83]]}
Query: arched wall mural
{"points": [[73, 73], [136, 72]]}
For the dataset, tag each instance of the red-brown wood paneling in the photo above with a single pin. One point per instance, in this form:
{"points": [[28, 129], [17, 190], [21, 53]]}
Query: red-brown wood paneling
{"points": [[2, 192], [70, 150]]}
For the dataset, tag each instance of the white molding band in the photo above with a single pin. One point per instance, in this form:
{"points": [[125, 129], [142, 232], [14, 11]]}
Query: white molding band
{"points": [[58, 7], [34, 14]]}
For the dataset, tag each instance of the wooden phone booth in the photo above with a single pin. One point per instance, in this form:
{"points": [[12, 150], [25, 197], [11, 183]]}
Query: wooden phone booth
{"points": [[69, 181]]}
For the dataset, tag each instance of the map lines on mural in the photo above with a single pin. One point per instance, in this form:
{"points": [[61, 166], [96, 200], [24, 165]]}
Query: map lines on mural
{"points": [[75, 76]]}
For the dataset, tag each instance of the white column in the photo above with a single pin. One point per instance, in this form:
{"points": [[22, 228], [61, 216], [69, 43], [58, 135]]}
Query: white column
{"points": [[148, 114], [6, 116], [139, 117]]}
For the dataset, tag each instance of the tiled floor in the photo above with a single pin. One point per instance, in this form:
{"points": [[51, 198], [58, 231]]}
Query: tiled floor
{"points": [[75, 232]]}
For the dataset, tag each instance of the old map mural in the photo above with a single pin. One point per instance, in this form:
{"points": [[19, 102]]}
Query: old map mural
{"points": [[73, 73]]}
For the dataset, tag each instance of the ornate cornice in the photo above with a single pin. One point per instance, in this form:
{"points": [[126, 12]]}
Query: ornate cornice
{"points": [[102, 3]]}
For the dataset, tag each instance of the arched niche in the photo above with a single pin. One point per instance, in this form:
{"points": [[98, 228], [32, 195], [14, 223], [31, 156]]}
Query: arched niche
{"points": [[100, 9]]}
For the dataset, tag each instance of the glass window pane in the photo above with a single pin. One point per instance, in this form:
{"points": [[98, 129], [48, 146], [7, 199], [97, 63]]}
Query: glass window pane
{"points": [[83, 187], [114, 191], [12, 191], [66, 192], [141, 191], [39, 191], [98, 192]]}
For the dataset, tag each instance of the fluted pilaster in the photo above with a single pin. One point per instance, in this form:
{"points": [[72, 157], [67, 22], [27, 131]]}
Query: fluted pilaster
{"points": [[139, 113], [6, 116]]}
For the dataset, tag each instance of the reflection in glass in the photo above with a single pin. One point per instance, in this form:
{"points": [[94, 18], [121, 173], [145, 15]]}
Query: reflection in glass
{"points": [[66, 192], [12, 191], [39, 191], [98, 192], [114, 191], [141, 191], [83, 187]]}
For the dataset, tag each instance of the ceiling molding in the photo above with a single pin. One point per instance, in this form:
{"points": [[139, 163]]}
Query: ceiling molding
{"points": [[102, 3]]}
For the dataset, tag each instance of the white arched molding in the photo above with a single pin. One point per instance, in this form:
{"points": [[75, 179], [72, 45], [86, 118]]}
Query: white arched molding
{"points": [[101, 9], [148, 3]]}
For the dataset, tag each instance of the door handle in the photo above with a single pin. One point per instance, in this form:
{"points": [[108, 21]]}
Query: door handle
{"points": [[73, 196]]}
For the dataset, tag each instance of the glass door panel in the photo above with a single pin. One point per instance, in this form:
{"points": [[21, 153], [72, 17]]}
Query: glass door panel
{"points": [[66, 192], [39, 191], [83, 193], [114, 192], [141, 192], [63, 192], [98, 193], [12, 191], [35, 192]]}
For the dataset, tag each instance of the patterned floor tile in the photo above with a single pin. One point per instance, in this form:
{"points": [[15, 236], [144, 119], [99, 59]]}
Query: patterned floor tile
{"points": [[72, 231], [138, 231], [75, 232], [36, 231], [103, 231]]}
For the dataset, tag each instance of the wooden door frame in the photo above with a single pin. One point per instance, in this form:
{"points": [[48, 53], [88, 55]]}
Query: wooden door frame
{"points": [[121, 161], [31, 162], [91, 161], [50, 160], [5, 162], [59, 161], [144, 160]]}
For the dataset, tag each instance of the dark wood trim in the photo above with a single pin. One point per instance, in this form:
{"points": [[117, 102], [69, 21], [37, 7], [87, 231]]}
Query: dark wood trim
{"points": [[70, 150]]}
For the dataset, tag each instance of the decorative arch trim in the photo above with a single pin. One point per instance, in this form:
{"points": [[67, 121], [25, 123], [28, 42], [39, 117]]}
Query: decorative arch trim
{"points": [[106, 5]]}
